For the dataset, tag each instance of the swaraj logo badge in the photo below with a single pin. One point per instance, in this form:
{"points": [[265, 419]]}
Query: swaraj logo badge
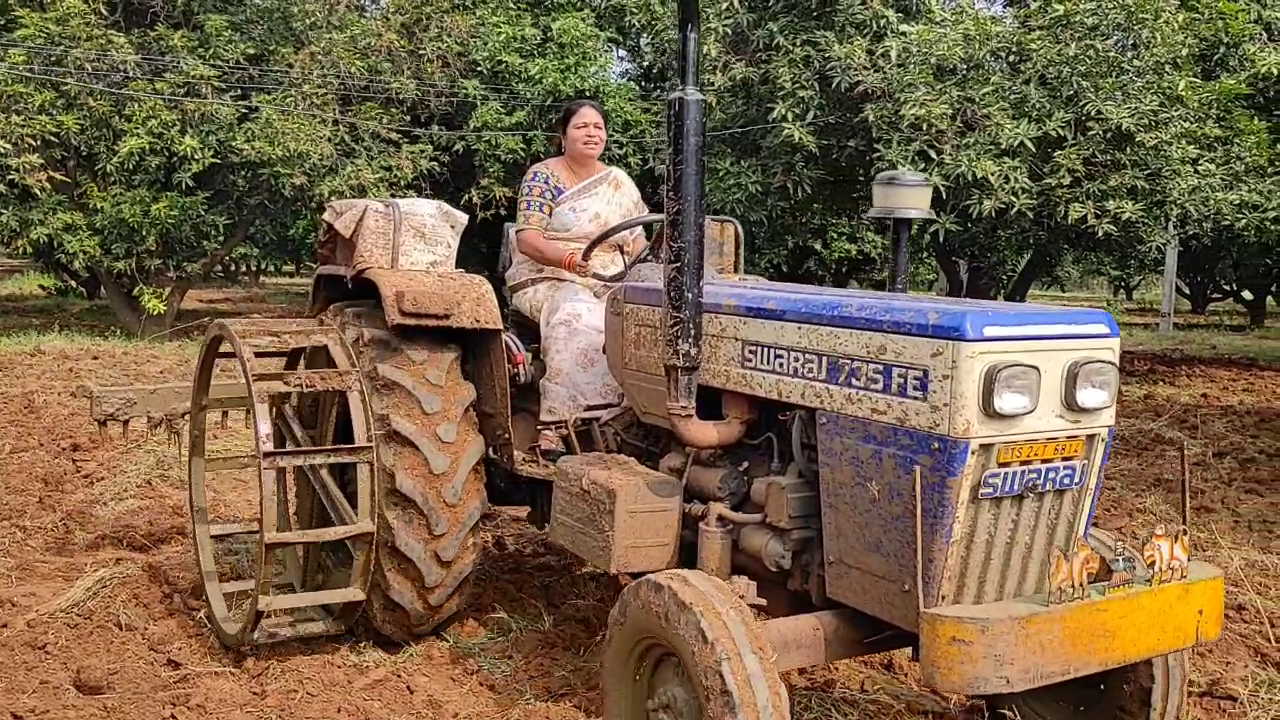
{"points": [[1073, 574]]}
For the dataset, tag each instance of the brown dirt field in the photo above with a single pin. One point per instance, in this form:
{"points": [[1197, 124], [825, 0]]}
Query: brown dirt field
{"points": [[101, 614]]}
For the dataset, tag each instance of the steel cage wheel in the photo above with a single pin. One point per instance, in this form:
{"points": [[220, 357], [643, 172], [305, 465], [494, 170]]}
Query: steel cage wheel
{"points": [[280, 443], [681, 645]]}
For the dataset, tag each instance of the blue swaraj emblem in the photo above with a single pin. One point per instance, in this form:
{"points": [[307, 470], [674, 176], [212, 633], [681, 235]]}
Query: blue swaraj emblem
{"points": [[1050, 477], [896, 380]]}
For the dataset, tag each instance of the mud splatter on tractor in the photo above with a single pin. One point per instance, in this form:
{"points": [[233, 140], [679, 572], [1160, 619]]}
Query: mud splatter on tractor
{"points": [[871, 470]]}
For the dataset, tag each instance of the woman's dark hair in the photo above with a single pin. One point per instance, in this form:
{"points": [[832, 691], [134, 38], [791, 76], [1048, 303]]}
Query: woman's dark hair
{"points": [[566, 116]]}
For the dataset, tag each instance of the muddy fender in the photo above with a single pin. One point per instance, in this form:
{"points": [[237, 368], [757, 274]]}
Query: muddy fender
{"points": [[435, 299]]}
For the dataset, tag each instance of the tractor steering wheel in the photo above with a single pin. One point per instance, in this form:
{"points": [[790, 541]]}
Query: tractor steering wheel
{"points": [[627, 264]]}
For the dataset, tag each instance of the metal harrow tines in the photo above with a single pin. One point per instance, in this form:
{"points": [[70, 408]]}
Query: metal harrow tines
{"points": [[310, 568]]}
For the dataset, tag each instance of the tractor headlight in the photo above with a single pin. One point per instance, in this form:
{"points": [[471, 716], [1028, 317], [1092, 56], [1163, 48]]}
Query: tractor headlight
{"points": [[1010, 389], [1091, 385]]}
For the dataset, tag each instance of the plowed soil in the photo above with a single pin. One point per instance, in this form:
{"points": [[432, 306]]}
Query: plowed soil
{"points": [[101, 613]]}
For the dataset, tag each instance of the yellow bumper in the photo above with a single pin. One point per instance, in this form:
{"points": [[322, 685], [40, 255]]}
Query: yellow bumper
{"points": [[1025, 643]]}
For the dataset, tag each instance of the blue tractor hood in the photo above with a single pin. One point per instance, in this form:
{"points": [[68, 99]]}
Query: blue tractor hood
{"points": [[928, 316]]}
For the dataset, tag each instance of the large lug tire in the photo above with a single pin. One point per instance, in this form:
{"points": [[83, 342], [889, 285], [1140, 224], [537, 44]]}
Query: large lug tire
{"points": [[430, 478], [682, 645], [1155, 689]]}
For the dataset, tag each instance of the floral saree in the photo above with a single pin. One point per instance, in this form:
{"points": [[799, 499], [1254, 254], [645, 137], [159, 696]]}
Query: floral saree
{"points": [[566, 306]]}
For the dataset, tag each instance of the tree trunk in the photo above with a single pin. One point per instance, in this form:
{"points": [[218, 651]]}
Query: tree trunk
{"points": [[123, 305], [153, 327], [951, 272], [1256, 305], [980, 285], [1035, 266], [1199, 292], [129, 311], [91, 286]]}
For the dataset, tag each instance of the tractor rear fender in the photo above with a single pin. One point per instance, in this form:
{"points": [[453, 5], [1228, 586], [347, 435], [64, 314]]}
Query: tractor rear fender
{"points": [[448, 300], [416, 298]]}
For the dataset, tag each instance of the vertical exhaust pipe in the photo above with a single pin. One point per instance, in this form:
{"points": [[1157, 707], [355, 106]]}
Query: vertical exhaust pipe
{"points": [[686, 125]]}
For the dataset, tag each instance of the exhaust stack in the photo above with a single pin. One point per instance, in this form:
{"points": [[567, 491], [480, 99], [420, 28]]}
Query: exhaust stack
{"points": [[686, 226]]}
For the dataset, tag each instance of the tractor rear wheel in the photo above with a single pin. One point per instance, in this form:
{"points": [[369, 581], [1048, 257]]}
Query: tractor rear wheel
{"points": [[1155, 689], [430, 478], [681, 644]]}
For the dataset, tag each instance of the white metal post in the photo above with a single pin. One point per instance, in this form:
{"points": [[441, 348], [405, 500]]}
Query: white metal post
{"points": [[1169, 286]]}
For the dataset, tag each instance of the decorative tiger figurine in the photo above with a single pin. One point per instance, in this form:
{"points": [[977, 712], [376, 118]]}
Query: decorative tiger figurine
{"points": [[1074, 573], [1167, 556]]}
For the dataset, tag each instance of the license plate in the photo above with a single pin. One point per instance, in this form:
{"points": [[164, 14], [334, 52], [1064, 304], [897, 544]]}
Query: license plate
{"points": [[1030, 479], [1051, 450]]}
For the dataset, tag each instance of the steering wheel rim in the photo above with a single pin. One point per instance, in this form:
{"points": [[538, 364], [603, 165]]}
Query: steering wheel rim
{"points": [[627, 263]]}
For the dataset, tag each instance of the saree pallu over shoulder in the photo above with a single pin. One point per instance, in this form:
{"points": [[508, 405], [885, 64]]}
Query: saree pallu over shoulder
{"points": [[570, 218]]}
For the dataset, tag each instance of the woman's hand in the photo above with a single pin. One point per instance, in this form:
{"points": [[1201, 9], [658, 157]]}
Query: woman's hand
{"points": [[572, 263], [534, 245]]}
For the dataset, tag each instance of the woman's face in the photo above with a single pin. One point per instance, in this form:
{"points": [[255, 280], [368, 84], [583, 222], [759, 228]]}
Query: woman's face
{"points": [[585, 136]]}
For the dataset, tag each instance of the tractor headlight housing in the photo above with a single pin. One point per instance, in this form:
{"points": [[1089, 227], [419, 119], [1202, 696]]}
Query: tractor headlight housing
{"points": [[1010, 389], [1091, 385]]}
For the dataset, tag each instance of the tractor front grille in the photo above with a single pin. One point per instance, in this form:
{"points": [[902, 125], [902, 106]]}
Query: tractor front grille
{"points": [[1001, 546]]}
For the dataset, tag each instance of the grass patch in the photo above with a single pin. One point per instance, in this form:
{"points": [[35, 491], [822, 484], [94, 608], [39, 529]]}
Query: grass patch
{"points": [[27, 339], [31, 282], [489, 646], [366, 656], [1222, 332], [30, 315], [1261, 345]]}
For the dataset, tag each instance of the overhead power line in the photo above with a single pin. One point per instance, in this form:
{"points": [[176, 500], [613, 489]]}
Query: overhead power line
{"points": [[388, 95], [294, 73], [20, 71]]}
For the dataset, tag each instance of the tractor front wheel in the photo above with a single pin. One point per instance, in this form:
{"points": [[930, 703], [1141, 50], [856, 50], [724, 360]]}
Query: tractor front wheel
{"points": [[682, 645], [1151, 690]]}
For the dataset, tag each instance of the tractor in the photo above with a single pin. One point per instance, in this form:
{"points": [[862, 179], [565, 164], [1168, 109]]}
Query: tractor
{"points": [[798, 474]]}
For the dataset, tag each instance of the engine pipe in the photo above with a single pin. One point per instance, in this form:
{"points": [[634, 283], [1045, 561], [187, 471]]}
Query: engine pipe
{"points": [[686, 125]]}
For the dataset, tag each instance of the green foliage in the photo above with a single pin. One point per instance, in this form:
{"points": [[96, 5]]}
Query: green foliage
{"points": [[144, 145], [1054, 131]]}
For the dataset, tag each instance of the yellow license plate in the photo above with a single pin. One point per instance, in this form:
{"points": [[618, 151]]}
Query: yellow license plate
{"points": [[1051, 450]]}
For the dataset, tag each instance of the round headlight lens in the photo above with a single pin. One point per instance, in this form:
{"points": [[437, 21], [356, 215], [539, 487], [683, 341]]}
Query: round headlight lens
{"points": [[1012, 389], [1092, 385]]}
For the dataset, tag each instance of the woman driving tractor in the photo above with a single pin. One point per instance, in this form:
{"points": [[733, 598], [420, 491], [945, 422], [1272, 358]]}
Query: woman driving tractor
{"points": [[563, 202]]}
